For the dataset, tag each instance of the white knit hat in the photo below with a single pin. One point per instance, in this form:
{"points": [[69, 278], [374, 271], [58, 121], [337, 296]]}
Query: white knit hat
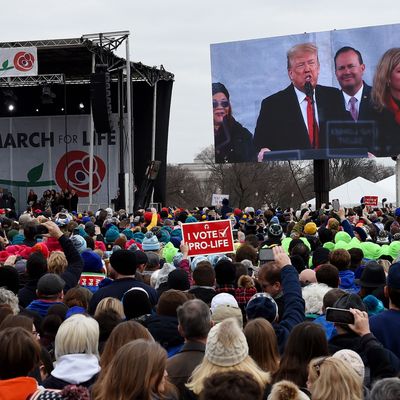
{"points": [[223, 299], [226, 344], [353, 359]]}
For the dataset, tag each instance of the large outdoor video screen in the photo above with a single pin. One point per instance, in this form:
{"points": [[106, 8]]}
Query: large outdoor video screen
{"points": [[333, 94]]}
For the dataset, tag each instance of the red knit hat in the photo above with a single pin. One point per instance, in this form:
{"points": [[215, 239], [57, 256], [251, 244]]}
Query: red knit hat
{"points": [[42, 248], [148, 216]]}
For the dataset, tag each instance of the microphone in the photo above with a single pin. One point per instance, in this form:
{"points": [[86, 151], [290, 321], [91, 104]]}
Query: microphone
{"points": [[309, 90]]}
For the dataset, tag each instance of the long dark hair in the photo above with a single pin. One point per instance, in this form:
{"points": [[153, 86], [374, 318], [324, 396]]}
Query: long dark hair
{"points": [[306, 341]]}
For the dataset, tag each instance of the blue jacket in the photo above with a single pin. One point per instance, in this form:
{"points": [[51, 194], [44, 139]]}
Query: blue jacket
{"points": [[294, 310], [386, 327]]}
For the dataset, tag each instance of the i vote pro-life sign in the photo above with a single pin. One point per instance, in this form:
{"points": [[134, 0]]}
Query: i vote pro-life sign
{"points": [[210, 237]]}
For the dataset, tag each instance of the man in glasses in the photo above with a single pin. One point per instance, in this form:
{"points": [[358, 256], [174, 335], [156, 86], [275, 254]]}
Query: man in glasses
{"points": [[295, 118], [233, 142]]}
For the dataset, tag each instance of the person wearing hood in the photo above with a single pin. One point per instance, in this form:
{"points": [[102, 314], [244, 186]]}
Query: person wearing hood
{"points": [[76, 352], [341, 259]]}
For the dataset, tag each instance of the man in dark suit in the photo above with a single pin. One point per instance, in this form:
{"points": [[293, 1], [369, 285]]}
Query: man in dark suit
{"points": [[349, 70], [284, 122]]}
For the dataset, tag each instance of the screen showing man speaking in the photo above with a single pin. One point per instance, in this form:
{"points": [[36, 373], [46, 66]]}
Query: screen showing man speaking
{"points": [[333, 94]]}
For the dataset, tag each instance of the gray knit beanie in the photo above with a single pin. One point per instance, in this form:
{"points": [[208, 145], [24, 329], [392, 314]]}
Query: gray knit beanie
{"points": [[226, 344]]}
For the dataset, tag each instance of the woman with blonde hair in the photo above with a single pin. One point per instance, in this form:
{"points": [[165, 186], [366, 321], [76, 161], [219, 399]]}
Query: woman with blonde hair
{"points": [[263, 345], [57, 262], [76, 352], [333, 379], [110, 303], [385, 95], [226, 350], [136, 372]]}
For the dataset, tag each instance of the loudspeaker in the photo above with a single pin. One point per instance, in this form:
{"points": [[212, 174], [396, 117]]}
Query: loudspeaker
{"points": [[100, 95]]}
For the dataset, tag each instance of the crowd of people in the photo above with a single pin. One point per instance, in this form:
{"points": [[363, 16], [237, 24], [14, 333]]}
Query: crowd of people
{"points": [[110, 305]]}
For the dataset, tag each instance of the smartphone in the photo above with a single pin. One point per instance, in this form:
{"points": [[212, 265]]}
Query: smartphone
{"points": [[265, 255], [335, 204], [235, 234], [339, 315]]}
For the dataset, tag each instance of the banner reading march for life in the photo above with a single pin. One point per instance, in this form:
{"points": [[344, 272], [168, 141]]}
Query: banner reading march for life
{"points": [[53, 152]]}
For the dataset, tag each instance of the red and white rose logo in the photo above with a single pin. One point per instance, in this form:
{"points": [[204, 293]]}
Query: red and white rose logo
{"points": [[24, 61], [72, 172]]}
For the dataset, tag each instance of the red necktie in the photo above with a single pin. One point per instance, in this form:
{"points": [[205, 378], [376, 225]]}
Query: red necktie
{"points": [[312, 126]]}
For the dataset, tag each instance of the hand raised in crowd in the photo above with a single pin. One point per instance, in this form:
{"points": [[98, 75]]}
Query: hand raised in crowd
{"points": [[54, 230], [361, 322], [341, 214], [280, 257], [184, 249], [305, 216]]}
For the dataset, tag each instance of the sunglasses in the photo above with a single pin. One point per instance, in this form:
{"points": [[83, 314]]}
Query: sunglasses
{"points": [[223, 103]]}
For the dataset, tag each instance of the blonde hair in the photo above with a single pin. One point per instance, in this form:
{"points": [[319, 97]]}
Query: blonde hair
{"points": [[298, 49], [79, 334], [381, 85], [333, 379], [110, 303], [206, 369], [57, 262]]}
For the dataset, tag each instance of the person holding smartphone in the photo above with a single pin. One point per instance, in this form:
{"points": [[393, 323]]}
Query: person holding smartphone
{"points": [[357, 337]]}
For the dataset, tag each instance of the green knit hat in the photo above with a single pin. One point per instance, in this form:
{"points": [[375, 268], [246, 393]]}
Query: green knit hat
{"points": [[169, 252], [372, 251], [341, 244], [329, 245], [342, 236], [394, 251]]}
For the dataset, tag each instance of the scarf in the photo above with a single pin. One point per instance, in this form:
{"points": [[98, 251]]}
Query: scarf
{"points": [[394, 107]]}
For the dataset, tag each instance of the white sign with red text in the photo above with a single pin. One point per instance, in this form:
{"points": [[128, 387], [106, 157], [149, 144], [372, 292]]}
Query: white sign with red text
{"points": [[209, 237]]}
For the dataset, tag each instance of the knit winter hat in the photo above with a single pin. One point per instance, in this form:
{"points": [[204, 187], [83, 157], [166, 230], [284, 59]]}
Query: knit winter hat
{"points": [[112, 234], [310, 228], [169, 252], [262, 305], [226, 344], [123, 262], [91, 261], [79, 243], [361, 232], [226, 311], [223, 299], [353, 359], [342, 236], [138, 237], [190, 219], [150, 242], [128, 233]]}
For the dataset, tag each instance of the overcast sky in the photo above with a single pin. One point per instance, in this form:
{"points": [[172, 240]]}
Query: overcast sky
{"points": [[178, 34]]}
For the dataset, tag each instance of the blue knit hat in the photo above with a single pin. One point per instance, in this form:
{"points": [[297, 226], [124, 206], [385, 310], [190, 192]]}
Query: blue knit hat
{"points": [[18, 239], [91, 261], [150, 242], [79, 243], [112, 234], [128, 233], [138, 237]]}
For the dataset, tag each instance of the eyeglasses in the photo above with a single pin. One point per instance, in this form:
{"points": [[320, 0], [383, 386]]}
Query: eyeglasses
{"points": [[223, 103], [317, 365]]}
